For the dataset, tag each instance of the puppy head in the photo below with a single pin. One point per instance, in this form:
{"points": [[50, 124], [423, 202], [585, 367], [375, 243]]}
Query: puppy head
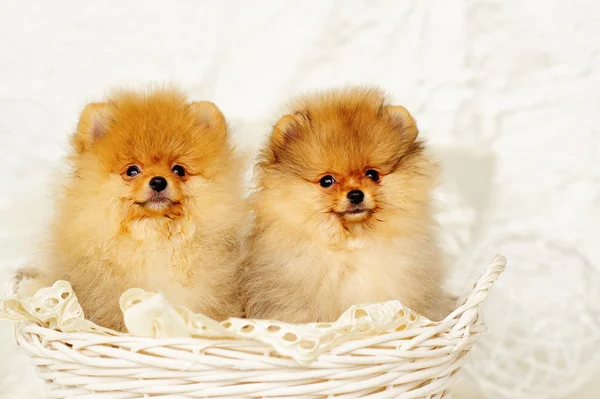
{"points": [[150, 155], [347, 160]]}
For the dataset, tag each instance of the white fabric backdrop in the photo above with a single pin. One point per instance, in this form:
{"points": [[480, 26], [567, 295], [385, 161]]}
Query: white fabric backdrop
{"points": [[507, 91]]}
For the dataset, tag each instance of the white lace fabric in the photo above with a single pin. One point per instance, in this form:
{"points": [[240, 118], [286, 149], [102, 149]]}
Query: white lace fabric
{"points": [[150, 315]]}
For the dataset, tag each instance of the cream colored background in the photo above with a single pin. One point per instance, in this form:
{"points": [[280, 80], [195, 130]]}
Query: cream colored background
{"points": [[508, 92]]}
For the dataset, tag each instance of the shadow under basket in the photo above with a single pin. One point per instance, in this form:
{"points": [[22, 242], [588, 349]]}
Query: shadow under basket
{"points": [[373, 351]]}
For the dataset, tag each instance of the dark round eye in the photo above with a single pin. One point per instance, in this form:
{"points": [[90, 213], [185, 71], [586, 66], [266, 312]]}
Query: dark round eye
{"points": [[133, 171], [373, 175], [327, 181], [178, 170]]}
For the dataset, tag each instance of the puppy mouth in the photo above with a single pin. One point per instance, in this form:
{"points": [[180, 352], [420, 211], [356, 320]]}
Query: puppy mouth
{"points": [[355, 212], [156, 201]]}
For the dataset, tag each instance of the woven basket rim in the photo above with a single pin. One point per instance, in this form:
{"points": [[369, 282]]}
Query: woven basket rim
{"points": [[464, 316]]}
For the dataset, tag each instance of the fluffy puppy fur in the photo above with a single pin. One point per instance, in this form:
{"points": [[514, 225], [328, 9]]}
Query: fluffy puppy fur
{"points": [[317, 249], [154, 201]]}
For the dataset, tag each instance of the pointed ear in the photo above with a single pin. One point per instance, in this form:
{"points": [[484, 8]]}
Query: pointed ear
{"points": [[405, 122], [93, 124], [209, 115], [287, 128]]}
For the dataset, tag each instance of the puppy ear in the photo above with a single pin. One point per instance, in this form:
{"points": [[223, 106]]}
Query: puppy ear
{"points": [[93, 125], [287, 128], [209, 116], [404, 121]]}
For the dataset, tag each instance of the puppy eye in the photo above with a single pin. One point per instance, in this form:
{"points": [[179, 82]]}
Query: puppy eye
{"points": [[373, 175], [178, 170], [133, 171], [327, 181]]}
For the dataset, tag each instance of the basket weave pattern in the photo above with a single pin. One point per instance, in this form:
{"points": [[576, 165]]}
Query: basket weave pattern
{"points": [[374, 351]]}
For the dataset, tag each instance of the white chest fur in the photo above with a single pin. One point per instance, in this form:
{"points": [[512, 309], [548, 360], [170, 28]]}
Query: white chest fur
{"points": [[362, 272], [160, 258]]}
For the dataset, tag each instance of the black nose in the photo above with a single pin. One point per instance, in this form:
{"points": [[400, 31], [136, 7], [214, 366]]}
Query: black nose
{"points": [[356, 196], [158, 183]]}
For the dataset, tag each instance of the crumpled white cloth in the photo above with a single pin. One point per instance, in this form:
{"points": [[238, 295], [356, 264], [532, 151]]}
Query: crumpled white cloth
{"points": [[153, 317], [150, 315]]}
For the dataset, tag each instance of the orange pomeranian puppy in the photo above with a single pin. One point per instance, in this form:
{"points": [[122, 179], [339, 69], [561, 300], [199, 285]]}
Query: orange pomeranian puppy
{"points": [[343, 213], [154, 201]]}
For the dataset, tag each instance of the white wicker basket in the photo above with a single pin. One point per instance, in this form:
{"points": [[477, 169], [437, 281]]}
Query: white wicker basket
{"points": [[374, 351]]}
